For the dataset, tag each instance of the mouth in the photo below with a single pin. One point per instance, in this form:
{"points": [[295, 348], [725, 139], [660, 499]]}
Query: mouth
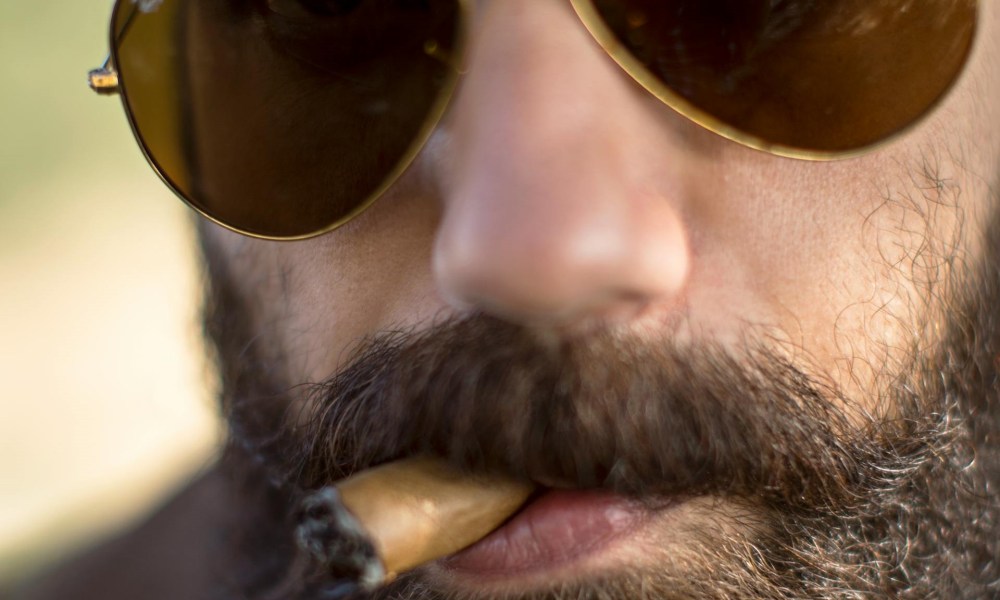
{"points": [[476, 533], [557, 533]]}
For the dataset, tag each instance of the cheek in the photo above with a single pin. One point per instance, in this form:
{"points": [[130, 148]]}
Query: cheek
{"points": [[853, 254], [370, 276], [833, 261]]}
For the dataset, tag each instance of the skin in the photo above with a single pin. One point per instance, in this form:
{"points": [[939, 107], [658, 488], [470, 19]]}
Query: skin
{"points": [[559, 195], [536, 204]]}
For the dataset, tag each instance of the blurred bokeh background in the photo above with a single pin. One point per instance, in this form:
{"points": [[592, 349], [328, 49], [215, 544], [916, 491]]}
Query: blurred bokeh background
{"points": [[105, 399]]}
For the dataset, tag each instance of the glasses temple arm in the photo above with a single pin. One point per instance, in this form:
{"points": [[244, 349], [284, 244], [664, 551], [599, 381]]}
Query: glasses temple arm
{"points": [[104, 80]]}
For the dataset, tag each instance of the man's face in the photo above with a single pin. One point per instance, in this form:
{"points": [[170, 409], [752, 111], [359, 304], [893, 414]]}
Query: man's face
{"points": [[649, 291]]}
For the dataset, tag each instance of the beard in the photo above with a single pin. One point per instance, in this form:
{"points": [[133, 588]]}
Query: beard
{"points": [[845, 504]]}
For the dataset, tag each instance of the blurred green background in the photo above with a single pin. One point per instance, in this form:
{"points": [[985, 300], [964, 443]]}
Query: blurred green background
{"points": [[104, 396]]}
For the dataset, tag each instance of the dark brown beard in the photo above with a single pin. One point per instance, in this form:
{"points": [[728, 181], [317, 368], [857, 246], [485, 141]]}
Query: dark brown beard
{"points": [[884, 508]]}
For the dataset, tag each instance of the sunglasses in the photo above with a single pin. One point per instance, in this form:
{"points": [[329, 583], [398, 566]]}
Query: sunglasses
{"points": [[284, 119]]}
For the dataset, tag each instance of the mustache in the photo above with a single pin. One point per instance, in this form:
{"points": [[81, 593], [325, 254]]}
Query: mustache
{"points": [[639, 418]]}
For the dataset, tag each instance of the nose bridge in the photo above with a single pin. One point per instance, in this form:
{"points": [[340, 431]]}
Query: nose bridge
{"points": [[548, 211]]}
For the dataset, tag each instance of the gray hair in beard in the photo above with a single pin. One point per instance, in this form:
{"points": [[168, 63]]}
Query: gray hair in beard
{"points": [[898, 507]]}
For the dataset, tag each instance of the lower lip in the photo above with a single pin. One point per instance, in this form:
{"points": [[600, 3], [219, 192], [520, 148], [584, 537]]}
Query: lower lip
{"points": [[557, 529]]}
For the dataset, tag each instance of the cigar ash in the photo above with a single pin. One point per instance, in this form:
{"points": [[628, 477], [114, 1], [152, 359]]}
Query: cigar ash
{"points": [[337, 541]]}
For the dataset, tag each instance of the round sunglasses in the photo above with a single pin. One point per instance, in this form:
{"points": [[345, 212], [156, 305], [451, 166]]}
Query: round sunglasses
{"points": [[284, 119]]}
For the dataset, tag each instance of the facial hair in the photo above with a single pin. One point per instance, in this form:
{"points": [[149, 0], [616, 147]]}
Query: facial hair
{"points": [[886, 506]]}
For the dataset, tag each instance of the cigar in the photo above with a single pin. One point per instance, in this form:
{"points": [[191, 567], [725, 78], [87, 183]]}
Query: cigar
{"points": [[379, 523]]}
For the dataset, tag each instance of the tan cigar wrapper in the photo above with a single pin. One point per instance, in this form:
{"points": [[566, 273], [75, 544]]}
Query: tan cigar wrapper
{"points": [[418, 510]]}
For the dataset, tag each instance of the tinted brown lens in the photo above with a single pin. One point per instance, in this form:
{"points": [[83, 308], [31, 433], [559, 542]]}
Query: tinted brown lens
{"points": [[824, 76], [282, 118]]}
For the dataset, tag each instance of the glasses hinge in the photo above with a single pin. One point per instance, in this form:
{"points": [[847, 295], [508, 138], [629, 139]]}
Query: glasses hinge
{"points": [[104, 81]]}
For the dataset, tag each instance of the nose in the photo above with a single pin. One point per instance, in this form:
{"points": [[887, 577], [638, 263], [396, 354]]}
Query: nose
{"points": [[559, 201]]}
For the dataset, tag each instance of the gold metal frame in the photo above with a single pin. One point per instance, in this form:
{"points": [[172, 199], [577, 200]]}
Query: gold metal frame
{"points": [[106, 80], [588, 13]]}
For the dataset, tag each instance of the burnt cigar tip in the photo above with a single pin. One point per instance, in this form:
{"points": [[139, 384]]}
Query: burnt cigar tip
{"points": [[329, 533], [388, 520]]}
